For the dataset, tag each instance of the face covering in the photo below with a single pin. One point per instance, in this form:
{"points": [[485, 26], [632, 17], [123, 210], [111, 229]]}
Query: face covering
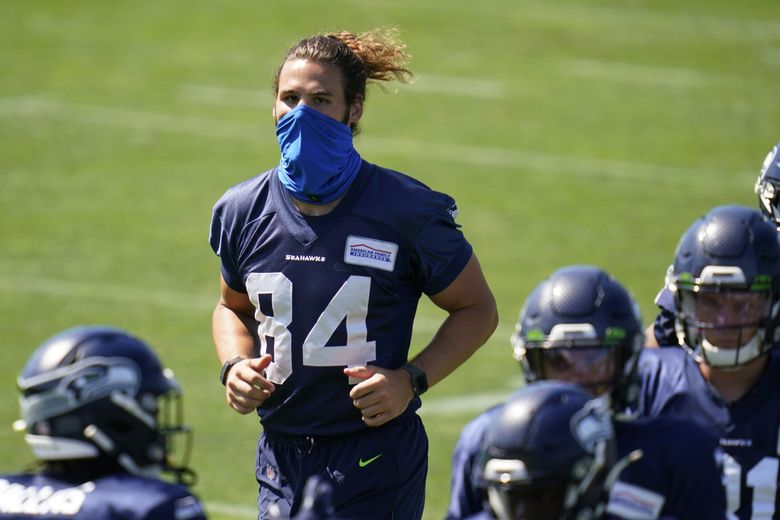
{"points": [[318, 161]]}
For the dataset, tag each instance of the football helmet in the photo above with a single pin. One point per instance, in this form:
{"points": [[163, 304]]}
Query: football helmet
{"points": [[726, 281], [768, 186], [549, 455], [581, 325], [95, 392]]}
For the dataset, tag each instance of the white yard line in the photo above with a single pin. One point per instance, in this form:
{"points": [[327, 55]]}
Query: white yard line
{"points": [[135, 295], [231, 510], [40, 109], [633, 73], [471, 404], [226, 96], [423, 83], [647, 23], [124, 295], [457, 86]]}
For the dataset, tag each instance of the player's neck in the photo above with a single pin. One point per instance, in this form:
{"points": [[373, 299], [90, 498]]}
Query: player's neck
{"points": [[315, 210], [733, 384]]}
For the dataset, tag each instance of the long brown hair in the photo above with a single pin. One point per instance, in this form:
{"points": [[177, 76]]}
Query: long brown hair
{"points": [[376, 55]]}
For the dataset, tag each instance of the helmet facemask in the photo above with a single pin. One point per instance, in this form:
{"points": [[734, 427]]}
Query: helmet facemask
{"points": [[574, 353], [724, 320]]}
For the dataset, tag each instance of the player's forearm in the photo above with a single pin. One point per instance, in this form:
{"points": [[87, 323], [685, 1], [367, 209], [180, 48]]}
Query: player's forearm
{"points": [[461, 334], [233, 333]]}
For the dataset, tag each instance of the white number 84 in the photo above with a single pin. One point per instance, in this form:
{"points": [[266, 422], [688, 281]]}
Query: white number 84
{"points": [[350, 302]]}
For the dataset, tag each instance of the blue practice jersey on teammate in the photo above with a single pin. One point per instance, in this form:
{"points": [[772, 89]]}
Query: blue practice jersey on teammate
{"points": [[678, 476], [114, 497], [747, 428], [465, 499], [663, 326], [335, 290]]}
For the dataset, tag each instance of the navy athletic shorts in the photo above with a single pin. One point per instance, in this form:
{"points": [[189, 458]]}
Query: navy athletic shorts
{"points": [[377, 474]]}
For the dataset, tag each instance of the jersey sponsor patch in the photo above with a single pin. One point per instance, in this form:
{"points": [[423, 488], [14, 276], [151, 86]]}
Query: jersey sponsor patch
{"points": [[187, 508], [369, 252], [634, 503]]}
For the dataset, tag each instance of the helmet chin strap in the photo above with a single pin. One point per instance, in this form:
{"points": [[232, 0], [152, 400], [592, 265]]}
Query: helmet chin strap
{"points": [[732, 358], [500, 508]]}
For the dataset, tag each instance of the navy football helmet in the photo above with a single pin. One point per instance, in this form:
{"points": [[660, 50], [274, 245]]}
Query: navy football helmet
{"points": [[726, 284], [98, 393], [768, 186], [549, 455], [581, 325]]}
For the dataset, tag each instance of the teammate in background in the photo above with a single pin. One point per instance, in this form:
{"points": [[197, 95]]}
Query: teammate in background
{"points": [[549, 454], [661, 332], [95, 404], [582, 326], [324, 259], [725, 280], [768, 186]]}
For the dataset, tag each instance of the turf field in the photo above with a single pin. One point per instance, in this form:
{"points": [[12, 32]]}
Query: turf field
{"points": [[568, 132]]}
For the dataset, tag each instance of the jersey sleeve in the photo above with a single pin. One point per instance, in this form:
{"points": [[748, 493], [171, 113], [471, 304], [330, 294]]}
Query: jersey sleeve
{"points": [[652, 395], [440, 248], [222, 239]]}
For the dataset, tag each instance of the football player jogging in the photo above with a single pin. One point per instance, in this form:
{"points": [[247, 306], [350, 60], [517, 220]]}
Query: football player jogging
{"points": [[100, 414], [662, 333], [324, 259], [582, 326], [725, 280]]}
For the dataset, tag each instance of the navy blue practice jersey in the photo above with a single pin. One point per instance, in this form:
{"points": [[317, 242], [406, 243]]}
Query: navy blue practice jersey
{"points": [[336, 290], [678, 476], [465, 498], [114, 497], [748, 428]]}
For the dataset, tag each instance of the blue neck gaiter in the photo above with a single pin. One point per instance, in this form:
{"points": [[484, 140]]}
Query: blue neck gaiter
{"points": [[318, 161]]}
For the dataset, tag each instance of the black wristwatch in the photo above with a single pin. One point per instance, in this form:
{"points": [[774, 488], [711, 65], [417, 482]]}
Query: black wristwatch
{"points": [[226, 368], [419, 379]]}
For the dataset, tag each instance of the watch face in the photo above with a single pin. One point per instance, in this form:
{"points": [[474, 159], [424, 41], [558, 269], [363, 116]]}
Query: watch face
{"points": [[420, 382], [419, 379]]}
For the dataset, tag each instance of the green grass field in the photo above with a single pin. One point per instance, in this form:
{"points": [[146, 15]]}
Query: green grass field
{"points": [[568, 132]]}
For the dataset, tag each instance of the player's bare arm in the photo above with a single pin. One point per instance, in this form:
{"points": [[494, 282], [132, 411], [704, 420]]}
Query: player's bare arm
{"points": [[650, 340], [472, 319], [385, 394], [233, 324]]}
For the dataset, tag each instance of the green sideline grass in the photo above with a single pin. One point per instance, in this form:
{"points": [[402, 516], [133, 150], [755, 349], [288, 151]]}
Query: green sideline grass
{"points": [[568, 132]]}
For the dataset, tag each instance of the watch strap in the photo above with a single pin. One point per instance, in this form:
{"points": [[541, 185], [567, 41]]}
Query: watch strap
{"points": [[419, 379], [226, 366]]}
